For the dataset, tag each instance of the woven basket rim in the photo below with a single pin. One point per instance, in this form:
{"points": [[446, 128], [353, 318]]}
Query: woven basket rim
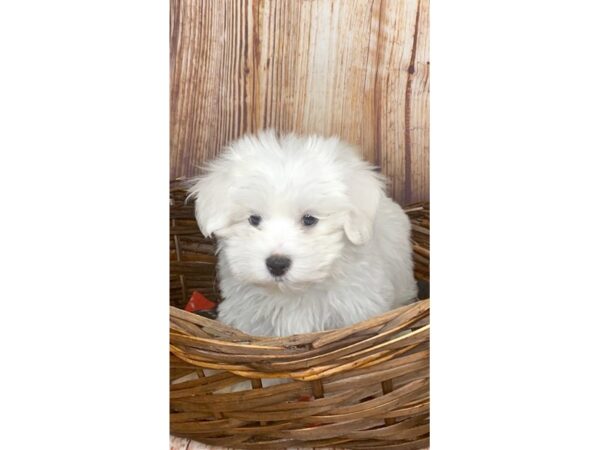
{"points": [[292, 340]]}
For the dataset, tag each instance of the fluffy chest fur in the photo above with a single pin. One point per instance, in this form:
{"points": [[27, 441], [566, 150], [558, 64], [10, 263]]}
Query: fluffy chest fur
{"points": [[329, 304]]}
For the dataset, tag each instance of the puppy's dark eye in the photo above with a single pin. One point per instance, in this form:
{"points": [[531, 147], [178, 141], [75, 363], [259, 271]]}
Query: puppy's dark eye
{"points": [[308, 220], [254, 220]]}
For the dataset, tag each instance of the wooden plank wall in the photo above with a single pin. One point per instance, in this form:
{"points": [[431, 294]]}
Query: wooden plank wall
{"points": [[355, 68]]}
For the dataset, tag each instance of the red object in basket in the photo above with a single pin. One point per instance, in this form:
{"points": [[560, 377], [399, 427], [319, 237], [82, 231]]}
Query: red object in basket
{"points": [[199, 302]]}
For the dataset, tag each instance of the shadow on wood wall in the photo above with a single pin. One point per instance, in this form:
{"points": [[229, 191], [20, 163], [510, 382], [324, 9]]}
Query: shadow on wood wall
{"points": [[354, 68]]}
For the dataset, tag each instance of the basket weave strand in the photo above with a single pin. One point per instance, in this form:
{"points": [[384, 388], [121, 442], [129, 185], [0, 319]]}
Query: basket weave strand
{"points": [[365, 386]]}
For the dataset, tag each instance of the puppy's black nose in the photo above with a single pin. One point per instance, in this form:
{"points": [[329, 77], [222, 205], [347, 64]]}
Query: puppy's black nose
{"points": [[278, 265]]}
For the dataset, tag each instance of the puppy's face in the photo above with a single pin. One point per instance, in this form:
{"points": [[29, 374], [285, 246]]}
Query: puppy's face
{"points": [[281, 244], [283, 210]]}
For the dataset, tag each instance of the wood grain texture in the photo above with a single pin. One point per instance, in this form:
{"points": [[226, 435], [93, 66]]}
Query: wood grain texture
{"points": [[354, 68]]}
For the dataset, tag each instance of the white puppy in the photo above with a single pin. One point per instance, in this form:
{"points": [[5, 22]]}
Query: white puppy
{"points": [[307, 238]]}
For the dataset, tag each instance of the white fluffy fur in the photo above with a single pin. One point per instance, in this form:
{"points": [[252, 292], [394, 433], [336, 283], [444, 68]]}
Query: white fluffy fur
{"points": [[353, 264]]}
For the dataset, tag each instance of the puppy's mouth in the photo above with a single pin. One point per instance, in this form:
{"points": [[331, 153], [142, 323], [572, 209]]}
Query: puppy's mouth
{"points": [[280, 282], [283, 284], [286, 283]]}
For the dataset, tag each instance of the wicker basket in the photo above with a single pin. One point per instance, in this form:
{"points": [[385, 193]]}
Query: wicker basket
{"points": [[364, 387]]}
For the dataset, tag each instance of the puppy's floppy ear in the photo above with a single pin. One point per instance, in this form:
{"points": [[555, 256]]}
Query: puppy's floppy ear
{"points": [[365, 188], [212, 199]]}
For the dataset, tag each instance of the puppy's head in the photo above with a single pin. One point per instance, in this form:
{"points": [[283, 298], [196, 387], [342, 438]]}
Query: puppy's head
{"points": [[284, 209]]}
